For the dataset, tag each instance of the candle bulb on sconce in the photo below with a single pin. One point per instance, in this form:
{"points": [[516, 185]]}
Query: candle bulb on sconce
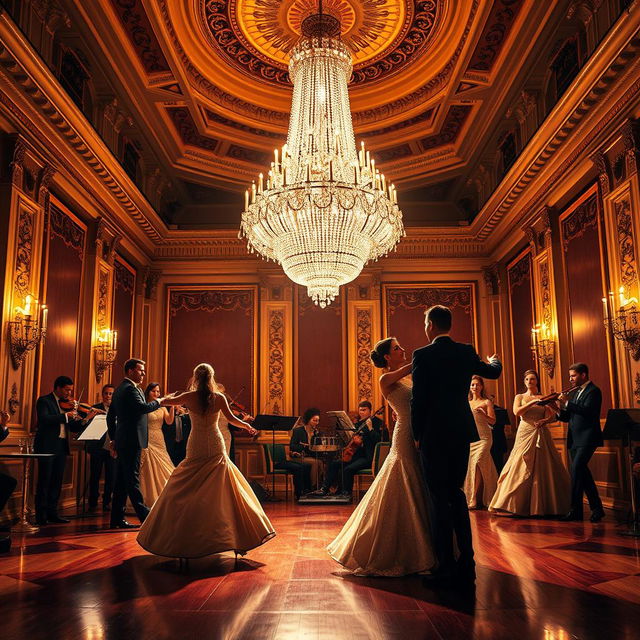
{"points": [[105, 352], [543, 347], [624, 322], [27, 329]]}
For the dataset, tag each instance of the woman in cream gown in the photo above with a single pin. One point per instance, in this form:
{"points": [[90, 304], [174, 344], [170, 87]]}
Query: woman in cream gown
{"points": [[207, 506], [155, 463], [534, 482], [388, 533], [482, 477]]}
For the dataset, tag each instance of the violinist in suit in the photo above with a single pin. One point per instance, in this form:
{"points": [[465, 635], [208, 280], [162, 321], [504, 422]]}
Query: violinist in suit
{"points": [[370, 429], [100, 458], [582, 411], [56, 417], [129, 434]]}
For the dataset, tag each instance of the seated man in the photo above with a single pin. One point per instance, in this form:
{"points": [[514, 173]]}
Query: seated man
{"points": [[370, 431], [7, 483]]}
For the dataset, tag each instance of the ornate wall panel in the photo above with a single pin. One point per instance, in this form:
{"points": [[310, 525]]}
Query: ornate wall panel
{"points": [[622, 255], [404, 307], [320, 355], [215, 325], [521, 311], [124, 288], [63, 285], [363, 332], [276, 357], [580, 227]]}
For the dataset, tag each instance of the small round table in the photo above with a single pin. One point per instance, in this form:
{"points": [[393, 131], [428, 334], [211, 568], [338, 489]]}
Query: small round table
{"points": [[24, 526]]}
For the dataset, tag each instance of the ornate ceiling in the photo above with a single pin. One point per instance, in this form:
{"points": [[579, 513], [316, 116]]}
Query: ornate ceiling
{"points": [[210, 82]]}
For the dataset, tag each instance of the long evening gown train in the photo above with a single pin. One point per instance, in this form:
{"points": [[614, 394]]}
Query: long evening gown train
{"points": [[207, 506], [155, 464], [388, 534], [534, 482]]}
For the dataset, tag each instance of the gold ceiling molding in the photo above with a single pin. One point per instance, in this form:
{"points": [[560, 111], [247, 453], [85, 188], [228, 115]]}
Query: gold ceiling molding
{"points": [[369, 27], [430, 46]]}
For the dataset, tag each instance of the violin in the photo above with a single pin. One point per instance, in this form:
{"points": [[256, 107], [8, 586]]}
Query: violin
{"points": [[356, 442], [553, 396], [81, 408]]}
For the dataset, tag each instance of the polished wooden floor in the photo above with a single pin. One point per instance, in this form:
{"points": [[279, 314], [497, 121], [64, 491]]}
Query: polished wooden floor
{"points": [[536, 579]]}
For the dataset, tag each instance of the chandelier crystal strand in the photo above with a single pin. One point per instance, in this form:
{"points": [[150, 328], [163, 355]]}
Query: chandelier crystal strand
{"points": [[323, 210]]}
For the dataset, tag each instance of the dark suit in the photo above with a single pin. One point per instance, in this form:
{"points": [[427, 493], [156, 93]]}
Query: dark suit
{"points": [[344, 473], [499, 445], [7, 483], [127, 423], [100, 458], [48, 440], [583, 438], [176, 439], [443, 424]]}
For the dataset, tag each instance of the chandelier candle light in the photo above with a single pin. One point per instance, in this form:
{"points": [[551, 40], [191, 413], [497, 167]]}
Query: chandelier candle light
{"points": [[324, 210]]}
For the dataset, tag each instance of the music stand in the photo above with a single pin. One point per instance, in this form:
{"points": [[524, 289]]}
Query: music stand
{"points": [[624, 424], [346, 429], [267, 422]]}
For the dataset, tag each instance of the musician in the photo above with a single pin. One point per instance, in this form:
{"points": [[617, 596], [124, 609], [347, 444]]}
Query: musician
{"points": [[101, 457], [228, 430], [581, 410], [177, 434], [52, 436], [302, 437], [370, 428], [499, 446]]}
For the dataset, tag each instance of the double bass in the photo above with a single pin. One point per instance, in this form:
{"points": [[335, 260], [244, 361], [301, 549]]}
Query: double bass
{"points": [[356, 442]]}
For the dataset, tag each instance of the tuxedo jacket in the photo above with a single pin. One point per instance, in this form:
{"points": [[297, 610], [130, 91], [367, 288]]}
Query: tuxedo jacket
{"points": [[97, 446], [370, 438], [442, 371], [298, 438], [127, 417], [583, 415], [177, 448], [49, 419]]}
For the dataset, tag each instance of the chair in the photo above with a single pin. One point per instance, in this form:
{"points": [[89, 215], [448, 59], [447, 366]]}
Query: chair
{"points": [[273, 454], [380, 454]]}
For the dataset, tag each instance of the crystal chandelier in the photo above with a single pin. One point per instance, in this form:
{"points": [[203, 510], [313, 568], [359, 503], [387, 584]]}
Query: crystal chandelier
{"points": [[324, 210]]}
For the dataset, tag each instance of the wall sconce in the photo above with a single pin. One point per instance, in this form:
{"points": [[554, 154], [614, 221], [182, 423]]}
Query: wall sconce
{"points": [[105, 352], [623, 323], [27, 330], [543, 348]]}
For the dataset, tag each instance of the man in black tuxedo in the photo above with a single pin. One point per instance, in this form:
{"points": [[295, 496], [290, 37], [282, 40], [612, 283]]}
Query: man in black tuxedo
{"points": [[176, 436], [370, 428], [100, 458], [582, 411], [444, 427], [128, 431], [52, 436]]}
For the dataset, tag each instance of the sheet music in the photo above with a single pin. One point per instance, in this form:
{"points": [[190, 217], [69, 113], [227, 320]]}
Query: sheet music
{"points": [[96, 429]]}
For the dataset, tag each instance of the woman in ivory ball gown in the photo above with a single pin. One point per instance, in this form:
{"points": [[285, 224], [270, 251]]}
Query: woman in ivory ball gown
{"points": [[207, 506], [395, 506]]}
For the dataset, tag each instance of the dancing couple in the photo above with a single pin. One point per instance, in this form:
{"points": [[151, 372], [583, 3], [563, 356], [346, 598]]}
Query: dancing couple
{"points": [[417, 496], [206, 506]]}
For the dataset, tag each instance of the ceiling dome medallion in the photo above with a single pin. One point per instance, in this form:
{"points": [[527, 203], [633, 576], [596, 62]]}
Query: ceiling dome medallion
{"points": [[384, 36]]}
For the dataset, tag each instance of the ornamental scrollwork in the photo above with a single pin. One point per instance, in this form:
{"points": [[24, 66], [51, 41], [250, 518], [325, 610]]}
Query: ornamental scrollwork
{"points": [[425, 297], [211, 301], [276, 357], [63, 227], [583, 217], [363, 350], [520, 272], [624, 231]]}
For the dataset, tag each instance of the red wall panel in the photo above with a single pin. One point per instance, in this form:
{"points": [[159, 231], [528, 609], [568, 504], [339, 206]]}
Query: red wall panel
{"points": [[583, 271], [405, 307], [320, 358], [214, 326], [66, 245], [123, 299], [522, 316]]}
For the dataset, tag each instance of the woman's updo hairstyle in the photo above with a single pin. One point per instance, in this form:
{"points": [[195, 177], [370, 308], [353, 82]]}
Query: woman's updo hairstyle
{"points": [[382, 349], [203, 382]]}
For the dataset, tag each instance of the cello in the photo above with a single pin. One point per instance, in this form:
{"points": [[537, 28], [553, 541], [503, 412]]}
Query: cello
{"points": [[356, 442]]}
